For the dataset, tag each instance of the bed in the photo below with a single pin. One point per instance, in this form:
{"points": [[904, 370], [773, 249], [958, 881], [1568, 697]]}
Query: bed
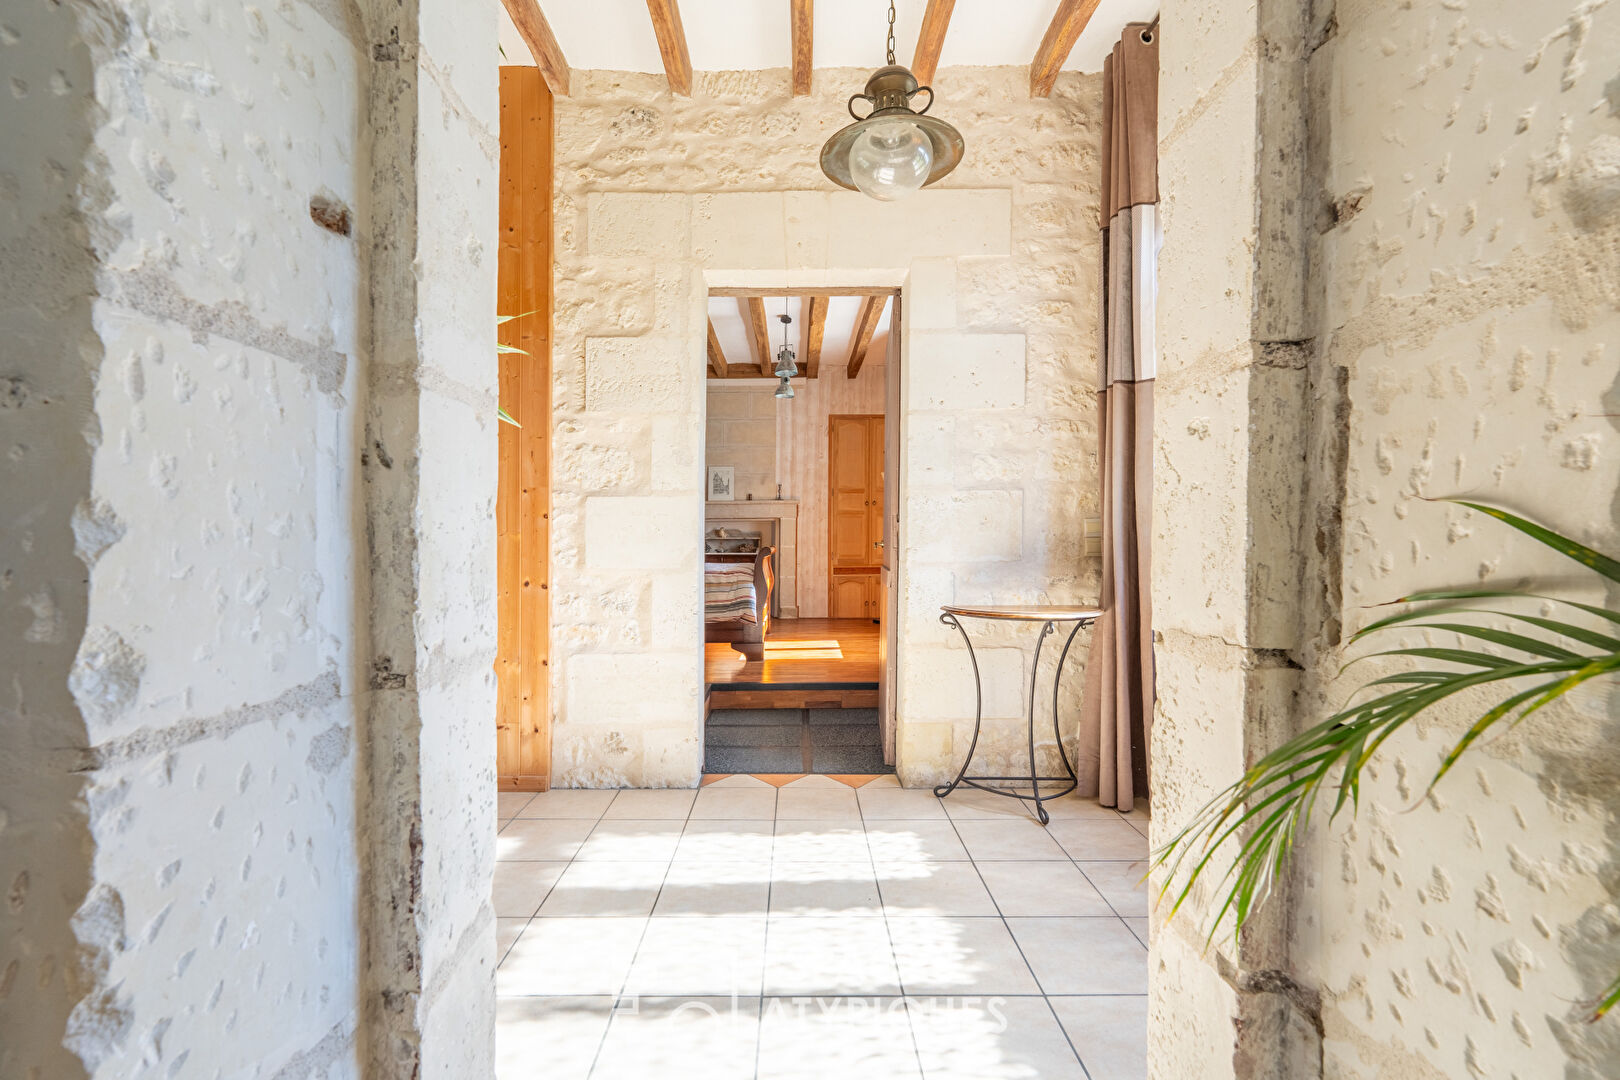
{"points": [[738, 590]]}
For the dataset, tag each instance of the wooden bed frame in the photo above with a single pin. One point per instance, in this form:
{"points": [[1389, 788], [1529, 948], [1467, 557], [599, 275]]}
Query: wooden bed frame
{"points": [[738, 631]]}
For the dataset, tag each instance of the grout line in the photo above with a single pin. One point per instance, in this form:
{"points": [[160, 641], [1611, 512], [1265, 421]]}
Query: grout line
{"points": [[894, 957], [1016, 943]]}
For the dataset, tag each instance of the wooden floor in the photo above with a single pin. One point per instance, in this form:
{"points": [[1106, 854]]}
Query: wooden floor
{"points": [[800, 652]]}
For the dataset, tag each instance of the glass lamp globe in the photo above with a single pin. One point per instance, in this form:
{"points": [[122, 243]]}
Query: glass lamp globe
{"points": [[891, 159]]}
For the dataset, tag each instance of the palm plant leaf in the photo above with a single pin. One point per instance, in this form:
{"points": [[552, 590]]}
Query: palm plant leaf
{"points": [[1265, 811]]}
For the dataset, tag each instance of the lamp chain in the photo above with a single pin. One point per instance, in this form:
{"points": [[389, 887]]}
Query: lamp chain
{"points": [[891, 31]]}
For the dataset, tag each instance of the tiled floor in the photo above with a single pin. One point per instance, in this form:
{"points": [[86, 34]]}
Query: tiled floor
{"points": [[818, 931]]}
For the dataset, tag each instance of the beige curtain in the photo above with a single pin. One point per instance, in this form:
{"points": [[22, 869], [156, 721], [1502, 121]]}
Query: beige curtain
{"points": [[1117, 706]]}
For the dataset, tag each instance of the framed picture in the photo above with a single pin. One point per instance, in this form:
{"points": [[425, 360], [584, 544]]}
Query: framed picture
{"points": [[722, 483]]}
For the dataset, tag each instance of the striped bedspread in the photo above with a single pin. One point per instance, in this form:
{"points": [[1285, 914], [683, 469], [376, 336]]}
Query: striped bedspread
{"points": [[728, 592]]}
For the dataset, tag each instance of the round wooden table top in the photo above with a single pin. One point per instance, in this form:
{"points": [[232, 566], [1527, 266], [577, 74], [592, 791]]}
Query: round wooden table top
{"points": [[1026, 612]]}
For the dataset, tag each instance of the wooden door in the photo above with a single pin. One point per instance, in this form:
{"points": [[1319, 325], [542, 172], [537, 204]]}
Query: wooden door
{"points": [[888, 598], [523, 500], [874, 490], [849, 499]]}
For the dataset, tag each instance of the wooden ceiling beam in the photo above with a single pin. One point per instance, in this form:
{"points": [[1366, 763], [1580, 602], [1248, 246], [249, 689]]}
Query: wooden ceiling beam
{"points": [[865, 326], [1068, 21], [666, 20], [717, 356], [753, 312], [536, 32], [803, 18], [813, 310], [931, 39], [804, 290]]}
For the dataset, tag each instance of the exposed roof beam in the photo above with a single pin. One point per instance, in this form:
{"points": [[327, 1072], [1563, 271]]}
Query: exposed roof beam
{"points": [[753, 312], [548, 56], [717, 356], [931, 39], [813, 310], [803, 19], [666, 20], [865, 325], [1067, 22]]}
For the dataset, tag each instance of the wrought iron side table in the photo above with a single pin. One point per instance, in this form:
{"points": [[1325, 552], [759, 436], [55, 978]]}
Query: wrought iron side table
{"points": [[1047, 616]]}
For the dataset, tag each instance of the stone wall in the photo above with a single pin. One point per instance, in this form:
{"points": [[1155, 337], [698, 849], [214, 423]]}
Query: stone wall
{"points": [[659, 198], [193, 239], [741, 433], [1424, 303]]}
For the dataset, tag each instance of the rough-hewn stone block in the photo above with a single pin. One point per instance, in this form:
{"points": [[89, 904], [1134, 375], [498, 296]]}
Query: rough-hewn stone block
{"points": [[628, 224], [967, 371]]}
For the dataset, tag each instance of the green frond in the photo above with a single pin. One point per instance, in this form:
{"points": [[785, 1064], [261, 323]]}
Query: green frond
{"points": [[1241, 840]]}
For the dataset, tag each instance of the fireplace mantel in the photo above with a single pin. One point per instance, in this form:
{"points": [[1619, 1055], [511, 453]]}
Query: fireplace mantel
{"points": [[782, 515]]}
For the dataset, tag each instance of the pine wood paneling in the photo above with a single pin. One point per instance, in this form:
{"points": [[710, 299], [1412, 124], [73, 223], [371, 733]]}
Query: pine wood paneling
{"points": [[523, 502], [801, 454]]}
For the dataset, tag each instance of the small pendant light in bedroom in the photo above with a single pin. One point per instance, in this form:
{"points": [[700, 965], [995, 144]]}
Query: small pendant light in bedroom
{"points": [[786, 367], [893, 150]]}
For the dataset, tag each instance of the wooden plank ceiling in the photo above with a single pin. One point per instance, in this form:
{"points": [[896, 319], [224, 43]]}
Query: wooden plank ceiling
{"points": [[1069, 18]]}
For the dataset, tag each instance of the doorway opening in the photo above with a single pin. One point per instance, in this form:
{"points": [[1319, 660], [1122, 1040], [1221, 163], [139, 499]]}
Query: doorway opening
{"points": [[802, 468]]}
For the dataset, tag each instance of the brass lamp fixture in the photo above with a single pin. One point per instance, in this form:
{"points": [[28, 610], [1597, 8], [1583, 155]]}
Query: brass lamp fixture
{"points": [[894, 149]]}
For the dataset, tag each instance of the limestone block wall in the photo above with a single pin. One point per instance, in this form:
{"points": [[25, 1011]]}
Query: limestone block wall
{"points": [[741, 433], [659, 198], [1422, 302], [1472, 296], [248, 574], [197, 396]]}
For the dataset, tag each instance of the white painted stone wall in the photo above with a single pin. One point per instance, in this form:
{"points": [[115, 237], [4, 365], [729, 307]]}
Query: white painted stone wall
{"points": [[1449, 327], [741, 433], [659, 198], [194, 581]]}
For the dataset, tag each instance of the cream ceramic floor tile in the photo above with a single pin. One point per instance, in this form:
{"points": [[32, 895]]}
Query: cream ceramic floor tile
{"points": [[1121, 884], [715, 888], [699, 956], [915, 841], [878, 783], [824, 888], [521, 886], [1041, 888], [564, 1033], [541, 841], [973, 804], [605, 888], [660, 803], [933, 888], [818, 804], [726, 841], [958, 956], [829, 956], [501, 823], [713, 1038], [1099, 838], [1110, 1034], [854, 1039], [1072, 807], [994, 840], [816, 782], [631, 841], [1139, 927], [570, 956], [894, 803], [820, 841], [1140, 824], [569, 803], [508, 803], [1014, 1038], [506, 932], [735, 803], [1082, 956]]}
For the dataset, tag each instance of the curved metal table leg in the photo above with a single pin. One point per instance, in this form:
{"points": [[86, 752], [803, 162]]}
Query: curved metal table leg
{"points": [[943, 790]]}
